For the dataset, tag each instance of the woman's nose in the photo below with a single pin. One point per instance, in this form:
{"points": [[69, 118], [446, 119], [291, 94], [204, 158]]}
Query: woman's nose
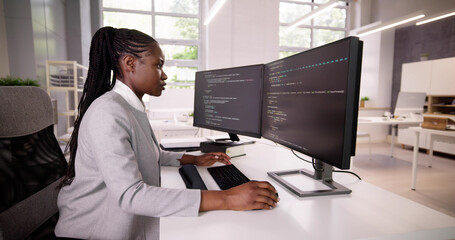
{"points": [[163, 76]]}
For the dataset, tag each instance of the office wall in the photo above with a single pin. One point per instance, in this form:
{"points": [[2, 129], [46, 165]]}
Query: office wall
{"points": [[244, 32], [19, 38], [386, 10], [373, 11], [40, 30], [436, 39], [4, 63], [50, 43], [380, 79], [49, 34], [411, 40], [35, 32], [377, 64], [79, 30]]}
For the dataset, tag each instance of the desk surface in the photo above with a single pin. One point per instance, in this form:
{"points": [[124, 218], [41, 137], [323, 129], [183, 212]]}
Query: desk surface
{"points": [[382, 120], [450, 133], [368, 212]]}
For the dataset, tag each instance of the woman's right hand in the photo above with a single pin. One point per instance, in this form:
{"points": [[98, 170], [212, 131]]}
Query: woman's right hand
{"points": [[248, 196], [251, 195]]}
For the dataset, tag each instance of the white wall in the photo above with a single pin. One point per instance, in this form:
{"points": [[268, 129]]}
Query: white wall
{"points": [[244, 32], [376, 79], [377, 67]]}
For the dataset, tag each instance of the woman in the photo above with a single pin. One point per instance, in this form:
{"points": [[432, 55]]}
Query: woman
{"points": [[112, 187]]}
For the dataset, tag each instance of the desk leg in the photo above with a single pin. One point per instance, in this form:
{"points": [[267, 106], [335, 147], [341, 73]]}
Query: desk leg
{"points": [[394, 133], [431, 150], [414, 161]]}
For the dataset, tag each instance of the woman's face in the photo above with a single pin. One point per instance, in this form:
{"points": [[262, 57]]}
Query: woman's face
{"points": [[148, 75]]}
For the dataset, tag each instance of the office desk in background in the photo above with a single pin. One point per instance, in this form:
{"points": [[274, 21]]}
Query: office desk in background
{"points": [[435, 136], [368, 212], [172, 128], [392, 122]]}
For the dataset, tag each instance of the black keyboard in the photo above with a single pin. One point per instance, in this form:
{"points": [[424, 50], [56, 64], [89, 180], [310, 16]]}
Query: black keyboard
{"points": [[227, 176]]}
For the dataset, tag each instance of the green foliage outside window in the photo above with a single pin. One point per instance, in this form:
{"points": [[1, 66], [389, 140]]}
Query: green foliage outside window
{"points": [[188, 53]]}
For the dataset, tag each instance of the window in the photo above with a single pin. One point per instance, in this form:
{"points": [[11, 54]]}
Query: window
{"points": [[175, 24], [325, 28]]}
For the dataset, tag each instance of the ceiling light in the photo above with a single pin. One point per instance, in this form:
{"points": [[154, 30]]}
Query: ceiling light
{"points": [[214, 10], [431, 19], [318, 11], [393, 23]]}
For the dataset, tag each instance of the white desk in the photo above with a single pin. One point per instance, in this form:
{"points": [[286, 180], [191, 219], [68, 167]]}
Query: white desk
{"points": [[435, 136], [368, 212], [392, 122]]}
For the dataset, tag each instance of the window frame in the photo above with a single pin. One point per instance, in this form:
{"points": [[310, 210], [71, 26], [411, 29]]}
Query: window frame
{"points": [[198, 63], [312, 27]]}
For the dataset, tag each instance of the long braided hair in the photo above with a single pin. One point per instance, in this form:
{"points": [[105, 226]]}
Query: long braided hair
{"points": [[107, 46]]}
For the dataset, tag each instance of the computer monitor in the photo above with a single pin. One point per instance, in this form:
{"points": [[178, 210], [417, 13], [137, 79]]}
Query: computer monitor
{"points": [[410, 105], [229, 100], [310, 104]]}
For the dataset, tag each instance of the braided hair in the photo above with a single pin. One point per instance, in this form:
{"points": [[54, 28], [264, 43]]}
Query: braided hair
{"points": [[107, 46]]}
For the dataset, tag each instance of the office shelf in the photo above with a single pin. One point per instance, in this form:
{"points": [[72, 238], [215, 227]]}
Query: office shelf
{"points": [[66, 77], [441, 105]]}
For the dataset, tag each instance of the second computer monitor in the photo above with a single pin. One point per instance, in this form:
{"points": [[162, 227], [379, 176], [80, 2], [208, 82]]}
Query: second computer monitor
{"points": [[310, 101], [229, 100]]}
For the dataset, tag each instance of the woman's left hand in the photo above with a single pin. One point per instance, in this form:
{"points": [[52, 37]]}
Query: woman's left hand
{"points": [[209, 159]]}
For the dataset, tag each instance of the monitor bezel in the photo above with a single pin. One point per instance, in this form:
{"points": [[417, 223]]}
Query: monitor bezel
{"points": [[257, 134]]}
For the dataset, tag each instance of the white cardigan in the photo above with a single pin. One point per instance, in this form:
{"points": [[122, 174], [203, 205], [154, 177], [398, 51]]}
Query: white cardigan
{"points": [[116, 193]]}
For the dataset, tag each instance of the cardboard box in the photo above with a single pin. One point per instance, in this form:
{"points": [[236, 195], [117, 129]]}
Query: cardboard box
{"points": [[438, 123]]}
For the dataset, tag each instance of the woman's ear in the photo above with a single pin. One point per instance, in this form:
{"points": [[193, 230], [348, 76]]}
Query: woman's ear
{"points": [[128, 63]]}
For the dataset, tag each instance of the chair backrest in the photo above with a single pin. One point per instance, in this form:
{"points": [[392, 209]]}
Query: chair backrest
{"points": [[410, 103], [31, 161]]}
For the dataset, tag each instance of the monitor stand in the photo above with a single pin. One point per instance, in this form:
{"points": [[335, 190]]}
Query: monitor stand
{"points": [[324, 176], [233, 140]]}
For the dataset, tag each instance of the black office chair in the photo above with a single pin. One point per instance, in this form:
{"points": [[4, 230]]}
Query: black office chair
{"points": [[31, 163]]}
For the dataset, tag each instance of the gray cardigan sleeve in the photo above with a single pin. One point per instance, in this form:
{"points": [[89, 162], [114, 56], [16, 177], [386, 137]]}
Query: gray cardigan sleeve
{"points": [[109, 134], [170, 158]]}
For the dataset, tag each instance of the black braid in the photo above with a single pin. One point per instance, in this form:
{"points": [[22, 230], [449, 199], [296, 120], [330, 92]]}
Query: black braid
{"points": [[107, 46]]}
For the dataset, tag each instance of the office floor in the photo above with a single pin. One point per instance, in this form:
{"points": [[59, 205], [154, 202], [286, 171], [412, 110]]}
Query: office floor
{"points": [[435, 186]]}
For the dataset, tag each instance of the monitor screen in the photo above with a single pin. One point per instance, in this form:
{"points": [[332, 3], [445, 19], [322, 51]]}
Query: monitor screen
{"points": [[229, 100], [310, 101]]}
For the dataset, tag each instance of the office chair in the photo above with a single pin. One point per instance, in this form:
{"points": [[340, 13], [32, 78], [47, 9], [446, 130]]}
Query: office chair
{"points": [[31, 162]]}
